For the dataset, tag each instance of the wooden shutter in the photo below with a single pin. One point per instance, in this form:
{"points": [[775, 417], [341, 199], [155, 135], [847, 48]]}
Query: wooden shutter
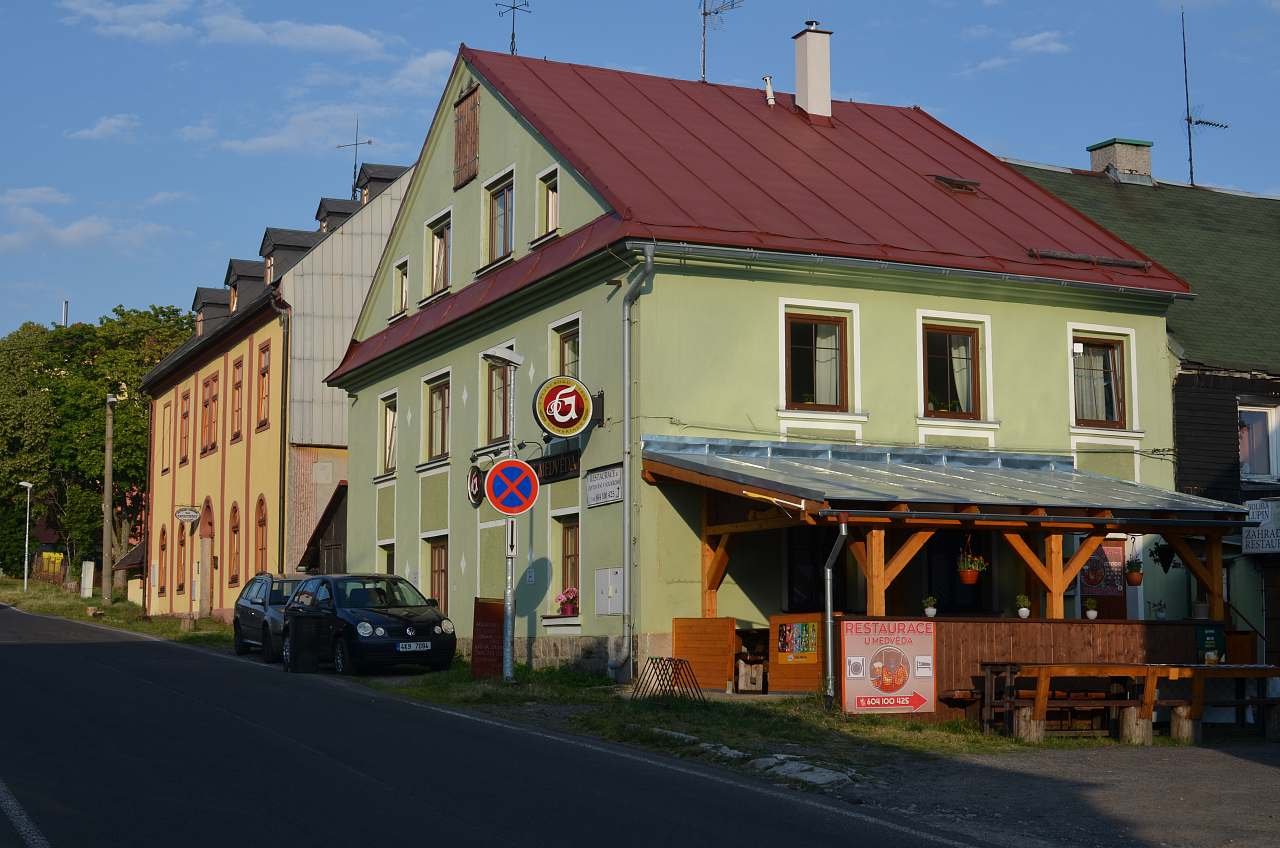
{"points": [[466, 137]]}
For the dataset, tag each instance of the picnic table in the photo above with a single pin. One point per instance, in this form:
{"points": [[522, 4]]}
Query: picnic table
{"points": [[1133, 691]]}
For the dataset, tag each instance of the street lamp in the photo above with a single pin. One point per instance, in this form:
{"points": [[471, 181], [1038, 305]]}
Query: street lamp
{"points": [[26, 545], [505, 357], [107, 444]]}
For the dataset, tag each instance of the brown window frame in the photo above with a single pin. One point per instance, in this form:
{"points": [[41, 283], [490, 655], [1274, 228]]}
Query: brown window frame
{"points": [[571, 555], [166, 437], [505, 187], [440, 272], [466, 137], [438, 557], [434, 451], [388, 435], [163, 579], [502, 435], [209, 415], [264, 386], [184, 437], [975, 370], [260, 536], [842, 324], [233, 524], [564, 334], [237, 399], [400, 294], [180, 574], [1116, 347], [548, 188]]}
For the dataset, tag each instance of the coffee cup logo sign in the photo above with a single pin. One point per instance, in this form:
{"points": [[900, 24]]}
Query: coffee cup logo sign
{"points": [[562, 407]]}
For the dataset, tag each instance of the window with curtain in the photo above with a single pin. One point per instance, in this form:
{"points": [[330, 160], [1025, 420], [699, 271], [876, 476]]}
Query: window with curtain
{"points": [[438, 419], [163, 579], [951, 384], [497, 429], [234, 524], [1258, 441], [440, 572], [817, 363], [549, 191], [500, 222], [389, 434], [569, 562], [260, 537], [1098, 375], [441, 243], [400, 295], [569, 349]]}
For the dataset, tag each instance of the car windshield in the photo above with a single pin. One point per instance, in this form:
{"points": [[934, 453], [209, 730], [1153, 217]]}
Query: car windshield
{"points": [[281, 590], [378, 593]]}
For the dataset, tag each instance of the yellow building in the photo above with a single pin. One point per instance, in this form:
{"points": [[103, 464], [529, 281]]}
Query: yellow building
{"points": [[248, 447]]}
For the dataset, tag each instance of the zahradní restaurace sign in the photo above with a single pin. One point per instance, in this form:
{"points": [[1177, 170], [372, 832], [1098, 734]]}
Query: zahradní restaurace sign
{"points": [[888, 667]]}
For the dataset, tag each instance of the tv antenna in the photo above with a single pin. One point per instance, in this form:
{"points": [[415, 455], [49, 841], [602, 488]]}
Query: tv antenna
{"points": [[712, 14], [511, 7], [1191, 120], [355, 152]]}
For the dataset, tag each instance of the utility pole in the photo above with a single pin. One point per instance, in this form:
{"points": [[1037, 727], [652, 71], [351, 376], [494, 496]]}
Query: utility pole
{"points": [[26, 545], [107, 533]]}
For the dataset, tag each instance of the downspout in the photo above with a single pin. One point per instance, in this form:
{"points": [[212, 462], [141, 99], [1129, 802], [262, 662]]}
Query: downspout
{"points": [[285, 314], [629, 297], [829, 619]]}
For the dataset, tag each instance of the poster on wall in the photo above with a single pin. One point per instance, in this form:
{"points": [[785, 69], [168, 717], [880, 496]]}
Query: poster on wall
{"points": [[1265, 538], [1103, 574], [486, 638], [797, 642], [889, 667]]}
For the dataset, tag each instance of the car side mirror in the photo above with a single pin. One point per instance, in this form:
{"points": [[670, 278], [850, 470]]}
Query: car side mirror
{"points": [[432, 602]]}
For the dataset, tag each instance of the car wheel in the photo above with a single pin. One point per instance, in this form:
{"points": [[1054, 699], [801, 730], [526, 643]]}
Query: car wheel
{"points": [[288, 661], [343, 662], [238, 644], [268, 647]]}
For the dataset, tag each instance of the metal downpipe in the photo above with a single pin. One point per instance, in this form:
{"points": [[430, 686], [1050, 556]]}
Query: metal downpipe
{"points": [[829, 619]]}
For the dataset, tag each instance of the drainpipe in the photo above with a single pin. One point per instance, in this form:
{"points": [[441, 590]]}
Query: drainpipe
{"points": [[282, 309], [629, 297], [829, 619]]}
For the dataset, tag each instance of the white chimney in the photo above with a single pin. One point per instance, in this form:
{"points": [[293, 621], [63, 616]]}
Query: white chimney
{"points": [[813, 69]]}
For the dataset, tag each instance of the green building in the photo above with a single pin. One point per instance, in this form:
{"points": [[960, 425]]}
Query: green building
{"points": [[737, 271]]}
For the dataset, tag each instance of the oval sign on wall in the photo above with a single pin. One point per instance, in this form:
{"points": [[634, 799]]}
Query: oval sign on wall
{"points": [[475, 485], [186, 513], [562, 407]]}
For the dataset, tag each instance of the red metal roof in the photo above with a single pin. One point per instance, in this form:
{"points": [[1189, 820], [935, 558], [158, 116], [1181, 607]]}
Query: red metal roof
{"points": [[715, 165]]}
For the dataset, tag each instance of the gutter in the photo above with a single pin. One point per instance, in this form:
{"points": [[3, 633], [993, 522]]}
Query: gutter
{"points": [[629, 297], [1005, 517], [685, 250], [285, 314]]}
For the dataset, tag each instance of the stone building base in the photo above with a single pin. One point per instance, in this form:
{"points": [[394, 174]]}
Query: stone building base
{"points": [[591, 654]]}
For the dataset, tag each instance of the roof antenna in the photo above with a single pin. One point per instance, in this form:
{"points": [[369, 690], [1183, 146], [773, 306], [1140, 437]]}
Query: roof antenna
{"points": [[511, 7], [1191, 120], [713, 13], [355, 150]]}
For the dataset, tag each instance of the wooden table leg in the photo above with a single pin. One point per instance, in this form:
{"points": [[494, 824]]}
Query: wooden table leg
{"points": [[1149, 687], [1041, 708], [1197, 696], [988, 696]]}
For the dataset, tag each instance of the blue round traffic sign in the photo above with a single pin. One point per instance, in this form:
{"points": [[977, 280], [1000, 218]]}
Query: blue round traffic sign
{"points": [[511, 486]]}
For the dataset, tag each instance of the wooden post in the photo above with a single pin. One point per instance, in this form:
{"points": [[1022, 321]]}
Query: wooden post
{"points": [[1217, 607], [1053, 564], [1134, 729], [875, 572], [1182, 727], [1026, 728]]}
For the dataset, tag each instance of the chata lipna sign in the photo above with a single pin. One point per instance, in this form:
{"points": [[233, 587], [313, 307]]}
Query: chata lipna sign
{"points": [[562, 407]]}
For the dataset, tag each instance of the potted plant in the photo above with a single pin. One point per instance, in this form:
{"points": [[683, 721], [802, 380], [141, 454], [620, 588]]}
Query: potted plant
{"points": [[1090, 608], [930, 605], [568, 601], [1133, 570], [1159, 609], [970, 565], [1024, 606]]}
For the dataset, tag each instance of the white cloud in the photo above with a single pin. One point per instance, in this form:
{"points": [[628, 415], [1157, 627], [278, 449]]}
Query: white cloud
{"points": [[315, 129], [1049, 41], [163, 197], [33, 196], [992, 64], [202, 131], [144, 21], [977, 31], [109, 126], [225, 24], [426, 72]]}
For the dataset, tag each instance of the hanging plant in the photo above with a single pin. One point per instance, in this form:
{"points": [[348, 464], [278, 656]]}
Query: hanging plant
{"points": [[969, 564]]}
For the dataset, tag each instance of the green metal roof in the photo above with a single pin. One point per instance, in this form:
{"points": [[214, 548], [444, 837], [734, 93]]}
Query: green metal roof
{"points": [[1225, 244], [1136, 142]]}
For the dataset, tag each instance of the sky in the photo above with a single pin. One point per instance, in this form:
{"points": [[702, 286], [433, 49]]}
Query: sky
{"points": [[145, 143]]}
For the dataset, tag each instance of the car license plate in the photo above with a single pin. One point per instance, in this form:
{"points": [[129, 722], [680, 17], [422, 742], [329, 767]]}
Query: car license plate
{"points": [[414, 646]]}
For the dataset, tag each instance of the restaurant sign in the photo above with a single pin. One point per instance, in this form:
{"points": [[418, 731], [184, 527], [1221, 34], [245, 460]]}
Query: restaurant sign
{"points": [[1265, 538], [889, 667]]}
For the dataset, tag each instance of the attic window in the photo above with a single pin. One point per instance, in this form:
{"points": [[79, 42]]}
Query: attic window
{"points": [[200, 323], [957, 184], [234, 298]]}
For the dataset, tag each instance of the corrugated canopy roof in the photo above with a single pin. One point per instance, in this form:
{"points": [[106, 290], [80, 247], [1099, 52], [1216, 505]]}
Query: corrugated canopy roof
{"points": [[852, 476]]}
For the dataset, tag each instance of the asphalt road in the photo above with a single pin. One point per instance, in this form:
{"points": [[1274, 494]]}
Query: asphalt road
{"points": [[111, 739]]}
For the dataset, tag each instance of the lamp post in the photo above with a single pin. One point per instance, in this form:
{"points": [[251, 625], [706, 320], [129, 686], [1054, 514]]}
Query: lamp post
{"points": [[26, 545], [505, 357], [106, 501]]}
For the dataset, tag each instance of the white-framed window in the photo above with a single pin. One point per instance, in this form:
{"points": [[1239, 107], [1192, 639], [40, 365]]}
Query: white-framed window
{"points": [[400, 288], [567, 354], [387, 432], [954, 368], [1260, 442], [436, 402], [819, 366], [548, 200], [439, 252], [496, 388], [1102, 379], [498, 210]]}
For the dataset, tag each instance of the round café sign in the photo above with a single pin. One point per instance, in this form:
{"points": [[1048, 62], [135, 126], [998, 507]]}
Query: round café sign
{"points": [[562, 407]]}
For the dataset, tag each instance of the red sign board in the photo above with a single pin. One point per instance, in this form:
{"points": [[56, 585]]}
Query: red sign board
{"points": [[889, 667], [511, 487], [486, 638], [562, 407]]}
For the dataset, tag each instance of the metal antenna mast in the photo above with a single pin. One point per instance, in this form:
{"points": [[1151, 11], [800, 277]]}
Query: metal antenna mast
{"points": [[511, 7], [711, 14], [1190, 119], [355, 152]]}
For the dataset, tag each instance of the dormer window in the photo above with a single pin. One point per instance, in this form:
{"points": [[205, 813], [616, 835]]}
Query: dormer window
{"points": [[200, 323], [269, 276]]}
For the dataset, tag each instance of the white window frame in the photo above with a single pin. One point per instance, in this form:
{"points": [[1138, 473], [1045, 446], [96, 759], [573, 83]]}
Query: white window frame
{"points": [[554, 330], [800, 418], [425, 438], [1273, 433], [554, 517], [1127, 337], [399, 288], [486, 188], [540, 229], [428, 258], [392, 395], [482, 422]]}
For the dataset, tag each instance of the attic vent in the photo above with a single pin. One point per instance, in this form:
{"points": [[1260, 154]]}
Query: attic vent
{"points": [[958, 184], [1113, 261]]}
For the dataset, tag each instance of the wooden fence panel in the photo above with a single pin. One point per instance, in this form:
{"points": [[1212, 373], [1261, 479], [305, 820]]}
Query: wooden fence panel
{"points": [[708, 644]]}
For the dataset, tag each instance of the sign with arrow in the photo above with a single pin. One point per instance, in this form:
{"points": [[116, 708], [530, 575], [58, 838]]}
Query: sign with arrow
{"points": [[888, 667]]}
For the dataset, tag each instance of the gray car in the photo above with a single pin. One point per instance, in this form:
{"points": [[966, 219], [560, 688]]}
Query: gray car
{"points": [[258, 617]]}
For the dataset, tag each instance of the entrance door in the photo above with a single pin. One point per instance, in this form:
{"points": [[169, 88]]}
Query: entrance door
{"points": [[205, 565]]}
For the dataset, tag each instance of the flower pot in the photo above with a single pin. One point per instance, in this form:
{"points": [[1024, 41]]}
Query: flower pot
{"points": [[1134, 578], [930, 611], [1023, 612], [1091, 614], [1161, 615], [568, 609], [1200, 611], [968, 576]]}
